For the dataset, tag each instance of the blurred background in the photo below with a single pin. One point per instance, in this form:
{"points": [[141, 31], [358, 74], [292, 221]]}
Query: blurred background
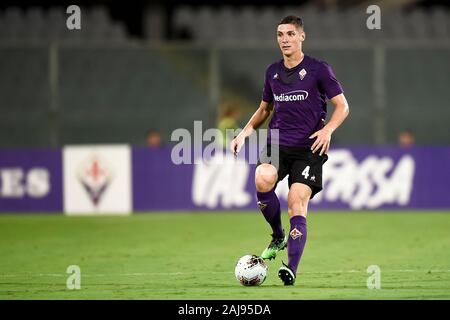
{"points": [[153, 66], [86, 117], [135, 72]]}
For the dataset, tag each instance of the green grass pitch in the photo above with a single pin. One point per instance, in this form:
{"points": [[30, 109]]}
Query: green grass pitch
{"points": [[192, 256]]}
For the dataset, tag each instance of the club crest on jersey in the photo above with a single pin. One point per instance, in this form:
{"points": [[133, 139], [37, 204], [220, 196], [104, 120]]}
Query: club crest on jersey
{"points": [[275, 76], [302, 74], [295, 234]]}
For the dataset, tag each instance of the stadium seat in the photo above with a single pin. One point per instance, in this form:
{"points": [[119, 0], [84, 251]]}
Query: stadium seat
{"points": [[312, 20], [205, 25], [394, 26], [13, 24], [56, 23], [266, 20], [418, 25], [354, 26], [35, 17], [96, 24], [247, 29], [439, 21], [226, 27]]}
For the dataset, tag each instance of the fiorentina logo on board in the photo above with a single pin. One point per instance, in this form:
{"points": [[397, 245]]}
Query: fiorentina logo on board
{"points": [[95, 174]]}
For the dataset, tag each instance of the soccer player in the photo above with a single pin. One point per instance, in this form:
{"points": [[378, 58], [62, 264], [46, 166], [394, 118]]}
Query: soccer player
{"points": [[296, 88]]}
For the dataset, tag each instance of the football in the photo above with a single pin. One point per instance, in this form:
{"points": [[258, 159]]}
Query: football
{"points": [[251, 270]]}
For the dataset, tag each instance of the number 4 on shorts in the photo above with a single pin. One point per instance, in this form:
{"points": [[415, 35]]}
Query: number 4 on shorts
{"points": [[305, 172]]}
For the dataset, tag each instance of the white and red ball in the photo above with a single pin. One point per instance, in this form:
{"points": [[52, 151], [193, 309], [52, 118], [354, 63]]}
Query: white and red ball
{"points": [[251, 270]]}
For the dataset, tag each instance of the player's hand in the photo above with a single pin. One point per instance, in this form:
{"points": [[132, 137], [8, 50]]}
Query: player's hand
{"points": [[323, 139], [236, 144]]}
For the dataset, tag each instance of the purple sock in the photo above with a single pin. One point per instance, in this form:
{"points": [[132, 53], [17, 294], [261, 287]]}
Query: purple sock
{"points": [[296, 241], [270, 207]]}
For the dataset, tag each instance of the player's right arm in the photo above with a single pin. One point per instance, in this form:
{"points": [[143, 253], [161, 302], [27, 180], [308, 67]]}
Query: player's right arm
{"points": [[257, 119]]}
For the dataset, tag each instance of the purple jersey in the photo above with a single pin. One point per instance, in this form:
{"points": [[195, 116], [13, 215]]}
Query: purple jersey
{"points": [[299, 97]]}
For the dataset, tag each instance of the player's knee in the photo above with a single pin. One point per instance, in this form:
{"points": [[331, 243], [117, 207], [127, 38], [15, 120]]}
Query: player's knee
{"points": [[297, 209], [298, 203], [265, 177]]}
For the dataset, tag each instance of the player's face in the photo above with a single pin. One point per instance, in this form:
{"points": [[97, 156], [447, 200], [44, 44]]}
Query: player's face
{"points": [[289, 38]]}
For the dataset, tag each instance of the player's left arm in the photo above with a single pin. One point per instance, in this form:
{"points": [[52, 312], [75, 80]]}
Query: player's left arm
{"points": [[323, 136]]}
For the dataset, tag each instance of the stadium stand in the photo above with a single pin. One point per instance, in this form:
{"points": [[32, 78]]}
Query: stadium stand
{"points": [[255, 24], [227, 24], [108, 93], [36, 24]]}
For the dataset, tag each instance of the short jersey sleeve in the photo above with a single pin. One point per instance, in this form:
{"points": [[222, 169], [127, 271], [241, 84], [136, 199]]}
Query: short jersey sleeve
{"points": [[267, 94], [328, 82]]}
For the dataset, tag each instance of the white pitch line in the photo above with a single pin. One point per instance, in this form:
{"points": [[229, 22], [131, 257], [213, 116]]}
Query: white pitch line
{"points": [[143, 274], [238, 288]]}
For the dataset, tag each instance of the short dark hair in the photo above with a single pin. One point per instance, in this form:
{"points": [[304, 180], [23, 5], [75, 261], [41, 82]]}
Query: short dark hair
{"points": [[296, 21]]}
